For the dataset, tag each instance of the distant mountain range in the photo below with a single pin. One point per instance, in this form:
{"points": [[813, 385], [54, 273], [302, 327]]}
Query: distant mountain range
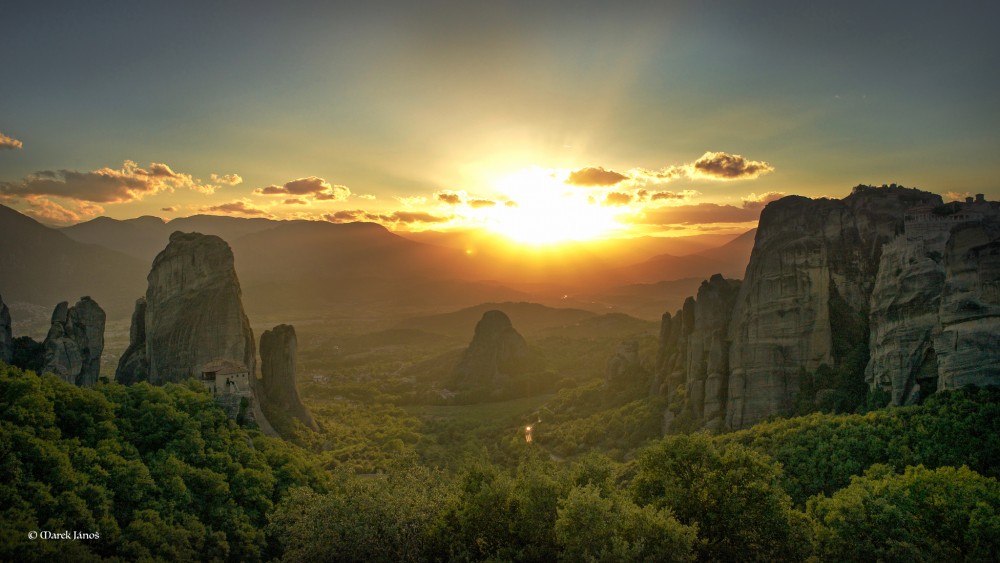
{"points": [[44, 266], [314, 266]]}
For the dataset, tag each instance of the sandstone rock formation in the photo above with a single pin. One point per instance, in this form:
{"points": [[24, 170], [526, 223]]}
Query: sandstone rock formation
{"points": [[692, 362], [935, 315], [6, 336], [73, 346], [496, 354], [193, 314], [277, 389], [623, 365], [890, 269], [133, 366]]}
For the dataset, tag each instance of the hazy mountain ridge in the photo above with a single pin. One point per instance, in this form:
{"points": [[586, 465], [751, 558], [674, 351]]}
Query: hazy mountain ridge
{"points": [[43, 266], [320, 267]]}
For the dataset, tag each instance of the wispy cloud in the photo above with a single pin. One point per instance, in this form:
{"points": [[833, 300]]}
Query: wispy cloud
{"points": [[9, 143], [722, 166], [451, 198], [48, 211], [709, 166], [106, 185], [758, 201], [481, 203], [598, 176], [226, 179], [238, 207], [617, 198], [389, 219], [311, 187]]}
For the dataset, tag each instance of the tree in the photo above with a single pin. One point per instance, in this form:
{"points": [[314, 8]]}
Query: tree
{"points": [[731, 494], [592, 527], [922, 515]]}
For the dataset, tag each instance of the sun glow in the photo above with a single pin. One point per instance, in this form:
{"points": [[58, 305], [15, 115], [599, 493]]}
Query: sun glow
{"points": [[542, 209]]}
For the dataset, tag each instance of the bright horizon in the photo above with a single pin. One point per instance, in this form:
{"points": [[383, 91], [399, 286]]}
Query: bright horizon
{"points": [[540, 124]]}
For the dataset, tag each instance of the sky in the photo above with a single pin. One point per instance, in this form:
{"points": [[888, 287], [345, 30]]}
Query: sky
{"points": [[536, 120]]}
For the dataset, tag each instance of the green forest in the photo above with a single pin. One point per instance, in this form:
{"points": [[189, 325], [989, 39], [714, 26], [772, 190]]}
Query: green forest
{"points": [[160, 473]]}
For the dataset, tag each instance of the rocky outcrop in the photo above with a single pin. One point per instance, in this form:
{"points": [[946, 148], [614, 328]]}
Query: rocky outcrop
{"points": [[968, 345], [935, 311], [827, 280], [75, 342], [813, 261], [133, 366], [623, 366], [277, 389], [496, 354], [692, 363], [6, 336], [193, 314]]}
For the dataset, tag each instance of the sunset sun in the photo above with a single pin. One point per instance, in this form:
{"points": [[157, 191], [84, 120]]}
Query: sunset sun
{"points": [[542, 210]]}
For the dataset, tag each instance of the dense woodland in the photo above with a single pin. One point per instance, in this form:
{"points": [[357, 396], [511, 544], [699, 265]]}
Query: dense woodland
{"points": [[161, 473]]}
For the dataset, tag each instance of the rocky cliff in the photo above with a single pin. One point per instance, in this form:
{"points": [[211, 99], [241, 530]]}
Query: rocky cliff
{"points": [[192, 315], [133, 366], [75, 342], [935, 313], [496, 354], [827, 281], [624, 366], [692, 361], [277, 389], [6, 336]]}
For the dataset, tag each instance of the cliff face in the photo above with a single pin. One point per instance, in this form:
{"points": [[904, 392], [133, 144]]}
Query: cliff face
{"points": [[969, 342], [277, 364], [192, 315], [692, 363], [133, 366], [812, 259], [75, 342], [874, 278], [935, 311]]}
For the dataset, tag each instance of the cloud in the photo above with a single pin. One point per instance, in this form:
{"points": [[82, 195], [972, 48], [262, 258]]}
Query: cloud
{"points": [[9, 143], [413, 217], [686, 194], [311, 187], [451, 198], [595, 177], [105, 185], [710, 166], [345, 216], [412, 201], [296, 201], [228, 179], [238, 207], [702, 213], [168, 209], [754, 201], [617, 198], [722, 166], [349, 216], [957, 196], [480, 203], [48, 211], [510, 203]]}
